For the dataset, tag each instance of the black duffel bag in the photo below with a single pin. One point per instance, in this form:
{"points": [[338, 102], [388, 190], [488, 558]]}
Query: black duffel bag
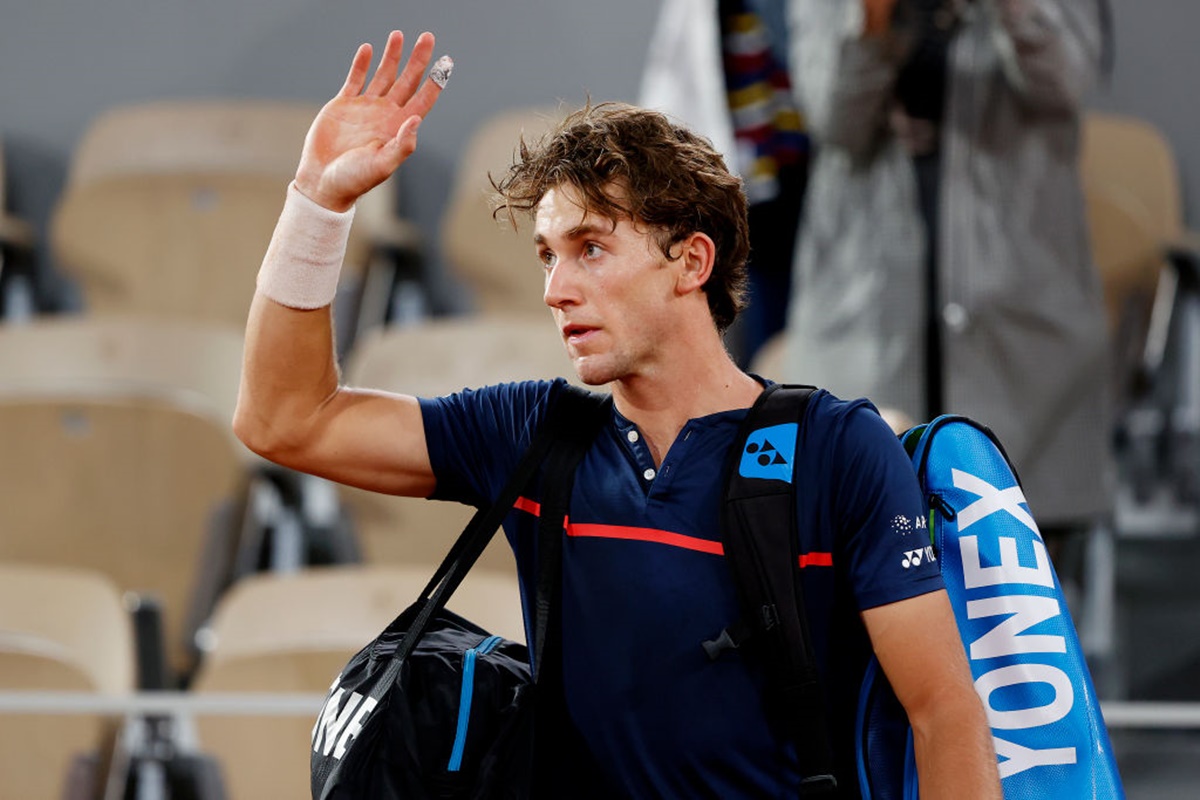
{"points": [[453, 719], [435, 706]]}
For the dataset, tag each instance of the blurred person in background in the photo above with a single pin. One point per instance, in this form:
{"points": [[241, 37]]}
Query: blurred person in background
{"points": [[943, 263]]}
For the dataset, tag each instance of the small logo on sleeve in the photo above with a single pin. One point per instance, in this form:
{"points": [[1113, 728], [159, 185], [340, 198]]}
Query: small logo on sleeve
{"points": [[769, 453], [905, 525], [915, 558]]}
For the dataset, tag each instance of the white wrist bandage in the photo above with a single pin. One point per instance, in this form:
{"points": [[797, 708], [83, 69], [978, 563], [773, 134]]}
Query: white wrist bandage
{"points": [[304, 259]]}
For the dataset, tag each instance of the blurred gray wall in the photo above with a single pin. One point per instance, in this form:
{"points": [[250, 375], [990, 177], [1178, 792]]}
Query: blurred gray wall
{"points": [[62, 62]]}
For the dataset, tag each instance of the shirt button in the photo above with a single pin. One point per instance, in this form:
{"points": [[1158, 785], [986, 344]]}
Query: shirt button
{"points": [[955, 317], [632, 436], [648, 474]]}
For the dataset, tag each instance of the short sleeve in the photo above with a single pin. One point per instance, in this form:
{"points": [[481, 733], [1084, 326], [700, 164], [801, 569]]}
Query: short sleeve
{"points": [[884, 525], [476, 437]]}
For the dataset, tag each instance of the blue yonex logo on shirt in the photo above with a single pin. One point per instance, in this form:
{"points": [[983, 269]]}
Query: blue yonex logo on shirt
{"points": [[769, 453]]}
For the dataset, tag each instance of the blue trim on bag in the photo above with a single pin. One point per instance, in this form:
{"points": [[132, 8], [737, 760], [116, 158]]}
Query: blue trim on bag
{"points": [[912, 786], [860, 727], [464, 699]]}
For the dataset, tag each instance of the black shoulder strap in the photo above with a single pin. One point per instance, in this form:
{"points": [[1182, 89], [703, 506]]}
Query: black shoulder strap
{"points": [[558, 745], [763, 549], [574, 428]]}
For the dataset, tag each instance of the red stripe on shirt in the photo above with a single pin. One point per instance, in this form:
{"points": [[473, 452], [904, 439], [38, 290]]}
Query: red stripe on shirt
{"points": [[655, 536], [528, 506], [816, 560], [645, 535]]}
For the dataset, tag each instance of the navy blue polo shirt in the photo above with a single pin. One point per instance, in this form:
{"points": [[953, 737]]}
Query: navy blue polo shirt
{"points": [[645, 580]]}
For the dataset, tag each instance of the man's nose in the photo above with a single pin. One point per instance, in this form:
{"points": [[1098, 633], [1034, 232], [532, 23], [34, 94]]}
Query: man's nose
{"points": [[561, 287]]}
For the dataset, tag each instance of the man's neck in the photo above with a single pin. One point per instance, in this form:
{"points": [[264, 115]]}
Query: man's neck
{"points": [[700, 381]]}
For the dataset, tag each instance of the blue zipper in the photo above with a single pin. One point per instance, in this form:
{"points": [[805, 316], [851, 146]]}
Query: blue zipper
{"points": [[464, 698]]}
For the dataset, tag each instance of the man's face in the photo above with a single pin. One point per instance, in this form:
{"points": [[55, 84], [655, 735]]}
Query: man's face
{"points": [[609, 288]]}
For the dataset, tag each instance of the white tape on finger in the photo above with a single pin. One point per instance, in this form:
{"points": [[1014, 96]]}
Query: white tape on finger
{"points": [[439, 73]]}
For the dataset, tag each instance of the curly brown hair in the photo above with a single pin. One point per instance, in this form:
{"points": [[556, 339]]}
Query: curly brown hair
{"points": [[630, 163]]}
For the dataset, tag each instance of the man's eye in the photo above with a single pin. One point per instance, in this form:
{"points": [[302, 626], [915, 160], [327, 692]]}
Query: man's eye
{"points": [[591, 250], [547, 258]]}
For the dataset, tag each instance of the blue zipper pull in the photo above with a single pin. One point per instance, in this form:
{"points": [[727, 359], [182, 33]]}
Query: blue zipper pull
{"points": [[465, 696]]}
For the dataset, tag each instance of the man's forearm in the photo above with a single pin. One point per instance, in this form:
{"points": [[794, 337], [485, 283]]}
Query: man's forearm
{"points": [[289, 367], [955, 754], [289, 370]]}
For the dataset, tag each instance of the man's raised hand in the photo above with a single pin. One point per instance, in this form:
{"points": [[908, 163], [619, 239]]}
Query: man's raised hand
{"points": [[363, 134]]}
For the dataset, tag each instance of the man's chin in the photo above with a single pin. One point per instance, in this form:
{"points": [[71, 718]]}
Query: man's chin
{"points": [[591, 379], [591, 373]]}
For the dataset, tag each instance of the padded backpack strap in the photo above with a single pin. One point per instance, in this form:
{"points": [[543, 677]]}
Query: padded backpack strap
{"points": [[578, 418], [560, 751], [762, 546]]}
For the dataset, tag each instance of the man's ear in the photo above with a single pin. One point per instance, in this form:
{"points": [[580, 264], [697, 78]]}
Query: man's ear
{"points": [[697, 255]]}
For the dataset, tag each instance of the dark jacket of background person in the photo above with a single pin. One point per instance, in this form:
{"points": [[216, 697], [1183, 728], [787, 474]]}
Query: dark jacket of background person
{"points": [[1023, 331]]}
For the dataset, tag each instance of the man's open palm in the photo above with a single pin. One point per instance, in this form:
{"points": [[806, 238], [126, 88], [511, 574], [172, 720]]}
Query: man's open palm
{"points": [[367, 130]]}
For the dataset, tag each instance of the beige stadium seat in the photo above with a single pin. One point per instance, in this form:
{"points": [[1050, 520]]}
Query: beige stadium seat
{"points": [[1130, 261], [1129, 154], [294, 633], [495, 262], [196, 361], [1134, 204], [60, 630], [118, 449], [1124, 247], [169, 206], [435, 358]]}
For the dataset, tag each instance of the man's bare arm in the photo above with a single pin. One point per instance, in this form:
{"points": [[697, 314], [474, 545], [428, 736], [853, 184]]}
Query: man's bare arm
{"points": [[291, 407], [918, 646]]}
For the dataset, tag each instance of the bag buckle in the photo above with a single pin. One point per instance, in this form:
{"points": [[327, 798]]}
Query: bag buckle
{"points": [[819, 786]]}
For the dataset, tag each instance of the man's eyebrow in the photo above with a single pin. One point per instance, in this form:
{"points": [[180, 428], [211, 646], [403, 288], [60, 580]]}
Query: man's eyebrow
{"points": [[589, 229], [579, 232]]}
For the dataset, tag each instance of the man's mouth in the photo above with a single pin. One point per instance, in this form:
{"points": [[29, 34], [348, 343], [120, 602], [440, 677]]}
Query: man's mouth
{"points": [[574, 334]]}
